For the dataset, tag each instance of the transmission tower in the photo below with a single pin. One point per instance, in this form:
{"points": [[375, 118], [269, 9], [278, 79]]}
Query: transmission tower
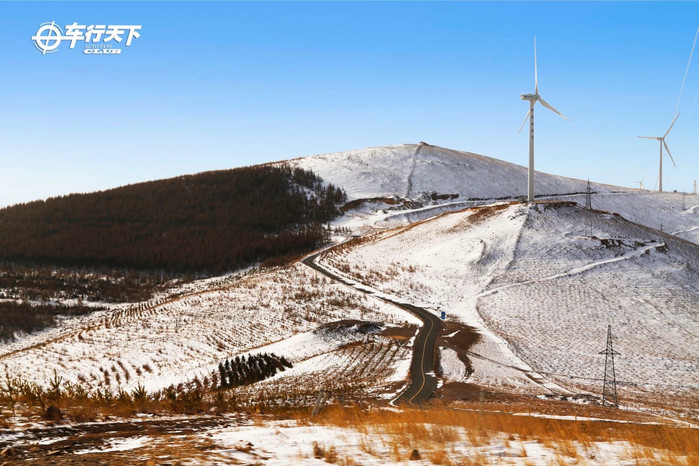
{"points": [[609, 391], [588, 196]]}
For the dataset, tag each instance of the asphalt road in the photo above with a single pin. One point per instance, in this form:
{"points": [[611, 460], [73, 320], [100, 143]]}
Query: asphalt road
{"points": [[423, 382]]}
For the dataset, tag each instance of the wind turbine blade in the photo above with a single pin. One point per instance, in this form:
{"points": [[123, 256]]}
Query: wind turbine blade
{"points": [[687, 70], [668, 153], [525, 120], [673, 124], [546, 104], [647, 137], [536, 74]]}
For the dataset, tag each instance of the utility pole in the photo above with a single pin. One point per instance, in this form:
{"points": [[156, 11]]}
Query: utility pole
{"points": [[609, 390], [588, 196], [695, 187]]}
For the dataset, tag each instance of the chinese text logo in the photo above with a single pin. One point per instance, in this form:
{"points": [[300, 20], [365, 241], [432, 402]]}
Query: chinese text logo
{"points": [[99, 39]]}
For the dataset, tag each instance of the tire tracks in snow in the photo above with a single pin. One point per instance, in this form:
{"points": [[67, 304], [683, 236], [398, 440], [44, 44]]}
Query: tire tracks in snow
{"points": [[675, 233], [412, 170], [501, 343], [536, 376], [576, 270]]}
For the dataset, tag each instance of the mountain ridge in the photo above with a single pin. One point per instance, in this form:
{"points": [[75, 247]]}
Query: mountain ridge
{"points": [[411, 169]]}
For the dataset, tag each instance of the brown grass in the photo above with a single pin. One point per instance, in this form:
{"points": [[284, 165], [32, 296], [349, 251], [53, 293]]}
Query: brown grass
{"points": [[431, 428]]}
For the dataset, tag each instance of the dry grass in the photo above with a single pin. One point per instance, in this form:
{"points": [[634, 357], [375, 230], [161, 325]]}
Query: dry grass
{"points": [[329, 454], [430, 430], [436, 436]]}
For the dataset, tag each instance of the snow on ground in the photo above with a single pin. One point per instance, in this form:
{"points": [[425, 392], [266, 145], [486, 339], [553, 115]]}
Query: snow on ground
{"points": [[119, 444], [288, 442], [453, 370], [538, 285], [173, 340], [340, 354], [554, 301], [236, 440], [542, 283], [414, 171], [443, 264], [674, 213], [409, 170]]}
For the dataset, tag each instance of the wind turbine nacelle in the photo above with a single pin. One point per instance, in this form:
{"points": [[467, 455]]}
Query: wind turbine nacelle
{"points": [[528, 96]]}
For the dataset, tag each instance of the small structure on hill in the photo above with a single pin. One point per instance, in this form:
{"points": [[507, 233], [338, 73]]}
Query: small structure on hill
{"points": [[609, 391]]}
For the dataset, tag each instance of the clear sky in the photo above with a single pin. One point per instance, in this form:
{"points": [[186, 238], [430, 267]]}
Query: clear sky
{"points": [[220, 85]]}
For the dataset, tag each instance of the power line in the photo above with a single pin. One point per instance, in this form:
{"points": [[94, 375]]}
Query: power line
{"points": [[620, 383], [628, 383]]}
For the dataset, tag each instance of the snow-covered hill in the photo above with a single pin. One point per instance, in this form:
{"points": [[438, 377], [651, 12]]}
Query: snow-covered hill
{"points": [[542, 282], [172, 340], [409, 170], [414, 171], [539, 281]]}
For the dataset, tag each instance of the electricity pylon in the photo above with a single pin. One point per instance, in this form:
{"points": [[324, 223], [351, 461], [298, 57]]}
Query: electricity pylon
{"points": [[609, 391], [588, 196]]}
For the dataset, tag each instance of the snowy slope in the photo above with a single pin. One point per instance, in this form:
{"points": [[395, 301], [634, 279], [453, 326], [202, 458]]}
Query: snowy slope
{"points": [[173, 340], [541, 283], [564, 287], [674, 213], [340, 354], [412, 170], [409, 170]]}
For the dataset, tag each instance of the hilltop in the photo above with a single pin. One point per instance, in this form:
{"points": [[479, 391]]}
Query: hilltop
{"points": [[431, 175], [410, 170]]}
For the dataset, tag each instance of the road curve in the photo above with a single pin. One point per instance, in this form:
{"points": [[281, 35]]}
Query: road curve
{"points": [[423, 381]]}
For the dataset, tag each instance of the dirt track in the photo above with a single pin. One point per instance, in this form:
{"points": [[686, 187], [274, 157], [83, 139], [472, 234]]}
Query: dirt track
{"points": [[59, 444]]}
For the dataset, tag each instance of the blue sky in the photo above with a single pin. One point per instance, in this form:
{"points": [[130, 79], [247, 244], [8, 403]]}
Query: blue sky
{"points": [[219, 85]]}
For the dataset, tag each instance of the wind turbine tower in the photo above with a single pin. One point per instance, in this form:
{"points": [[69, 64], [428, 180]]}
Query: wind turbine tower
{"points": [[533, 99], [663, 143], [640, 184]]}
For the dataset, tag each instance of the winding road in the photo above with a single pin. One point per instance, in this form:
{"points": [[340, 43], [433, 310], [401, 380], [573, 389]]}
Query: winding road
{"points": [[423, 381]]}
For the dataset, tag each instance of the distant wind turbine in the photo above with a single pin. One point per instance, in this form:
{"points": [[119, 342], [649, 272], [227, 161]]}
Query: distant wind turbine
{"points": [[663, 143], [533, 99], [640, 184]]}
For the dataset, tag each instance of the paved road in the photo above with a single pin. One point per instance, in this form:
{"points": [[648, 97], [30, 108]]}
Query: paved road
{"points": [[423, 382]]}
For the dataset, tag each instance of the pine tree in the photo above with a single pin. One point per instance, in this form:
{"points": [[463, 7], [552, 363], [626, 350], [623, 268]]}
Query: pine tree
{"points": [[222, 372]]}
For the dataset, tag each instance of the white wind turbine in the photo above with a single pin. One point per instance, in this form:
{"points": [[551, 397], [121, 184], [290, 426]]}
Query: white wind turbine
{"points": [[640, 184], [533, 99], [663, 143]]}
